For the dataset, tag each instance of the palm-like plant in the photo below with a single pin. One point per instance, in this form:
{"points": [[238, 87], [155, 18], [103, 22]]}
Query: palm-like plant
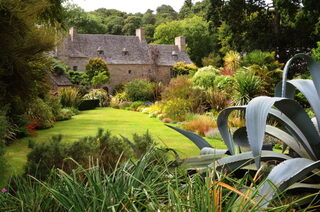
{"points": [[296, 130]]}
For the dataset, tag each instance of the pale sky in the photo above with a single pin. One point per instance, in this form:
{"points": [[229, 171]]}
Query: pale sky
{"points": [[129, 6]]}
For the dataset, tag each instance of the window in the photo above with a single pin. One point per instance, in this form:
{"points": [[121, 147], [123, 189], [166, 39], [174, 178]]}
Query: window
{"points": [[129, 71], [75, 68]]}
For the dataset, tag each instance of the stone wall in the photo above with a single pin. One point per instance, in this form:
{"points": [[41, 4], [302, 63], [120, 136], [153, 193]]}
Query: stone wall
{"points": [[125, 73]]}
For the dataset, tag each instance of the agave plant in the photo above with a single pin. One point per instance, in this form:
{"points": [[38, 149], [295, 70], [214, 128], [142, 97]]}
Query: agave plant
{"points": [[296, 130]]}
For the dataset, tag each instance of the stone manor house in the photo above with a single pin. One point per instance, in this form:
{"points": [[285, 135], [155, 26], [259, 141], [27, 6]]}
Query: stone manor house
{"points": [[127, 57]]}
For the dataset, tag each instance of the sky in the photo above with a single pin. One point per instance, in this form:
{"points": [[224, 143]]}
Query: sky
{"points": [[129, 6]]}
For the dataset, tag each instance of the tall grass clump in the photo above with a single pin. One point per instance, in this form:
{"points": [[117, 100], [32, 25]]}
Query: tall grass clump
{"points": [[69, 97]]}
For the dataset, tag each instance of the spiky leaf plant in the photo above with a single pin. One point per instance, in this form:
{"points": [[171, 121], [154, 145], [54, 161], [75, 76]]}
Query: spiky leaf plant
{"points": [[295, 129]]}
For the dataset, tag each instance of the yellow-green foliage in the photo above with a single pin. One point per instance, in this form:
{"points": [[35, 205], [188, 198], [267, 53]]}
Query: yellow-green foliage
{"points": [[182, 68], [177, 109]]}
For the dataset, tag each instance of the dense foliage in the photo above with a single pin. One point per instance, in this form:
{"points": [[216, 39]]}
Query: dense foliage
{"points": [[139, 90], [97, 72]]}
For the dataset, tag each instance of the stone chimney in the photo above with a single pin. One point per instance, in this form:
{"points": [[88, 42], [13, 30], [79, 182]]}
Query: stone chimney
{"points": [[73, 33], [181, 43], [141, 35]]}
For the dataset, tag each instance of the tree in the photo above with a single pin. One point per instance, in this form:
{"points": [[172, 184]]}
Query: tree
{"points": [[165, 13], [97, 71], [131, 23], [148, 17], [258, 24], [186, 9], [26, 35], [85, 22], [114, 25], [195, 29]]}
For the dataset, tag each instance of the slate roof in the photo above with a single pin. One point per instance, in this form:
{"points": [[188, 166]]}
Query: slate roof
{"points": [[165, 55], [113, 46], [86, 45], [60, 80]]}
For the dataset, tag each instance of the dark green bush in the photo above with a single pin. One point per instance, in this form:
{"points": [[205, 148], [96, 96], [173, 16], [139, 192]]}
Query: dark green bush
{"points": [[108, 149], [139, 90], [143, 143], [88, 104], [45, 156]]}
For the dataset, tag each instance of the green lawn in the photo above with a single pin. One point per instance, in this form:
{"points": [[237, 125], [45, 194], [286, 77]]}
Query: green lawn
{"points": [[117, 121]]}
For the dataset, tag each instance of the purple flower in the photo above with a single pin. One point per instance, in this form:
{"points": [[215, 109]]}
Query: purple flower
{"points": [[4, 190]]}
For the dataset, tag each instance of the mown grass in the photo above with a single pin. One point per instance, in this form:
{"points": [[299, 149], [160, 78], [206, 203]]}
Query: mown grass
{"points": [[117, 121]]}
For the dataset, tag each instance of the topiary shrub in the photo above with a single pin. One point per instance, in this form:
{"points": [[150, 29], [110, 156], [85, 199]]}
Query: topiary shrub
{"points": [[88, 104], [101, 94], [139, 90]]}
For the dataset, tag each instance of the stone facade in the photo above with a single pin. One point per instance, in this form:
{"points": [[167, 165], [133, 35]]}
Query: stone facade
{"points": [[127, 57]]}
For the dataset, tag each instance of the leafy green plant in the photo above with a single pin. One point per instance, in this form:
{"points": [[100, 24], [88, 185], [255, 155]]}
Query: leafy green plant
{"points": [[139, 90], [204, 79]]}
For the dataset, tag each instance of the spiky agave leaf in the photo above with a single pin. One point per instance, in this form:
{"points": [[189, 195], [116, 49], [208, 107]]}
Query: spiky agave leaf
{"points": [[256, 117], [237, 161], [284, 175], [224, 130], [313, 67], [196, 139], [307, 88]]}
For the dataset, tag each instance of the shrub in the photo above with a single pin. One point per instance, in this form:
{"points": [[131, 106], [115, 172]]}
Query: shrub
{"points": [[97, 71], [109, 150], [200, 124], [136, 104], [217, 99], [40, 113], [64, 114], [182, 88], [88, 104], [69, 97], [79, 78], [45, 156], [179, 87], [139, 90], [182, 68], [224, 83], [101, 94], [204, 79], [177, 108]]}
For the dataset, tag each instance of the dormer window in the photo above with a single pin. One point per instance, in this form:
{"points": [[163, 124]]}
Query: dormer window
{"points": [[100, 51], [174, 55], [125, 52]]}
